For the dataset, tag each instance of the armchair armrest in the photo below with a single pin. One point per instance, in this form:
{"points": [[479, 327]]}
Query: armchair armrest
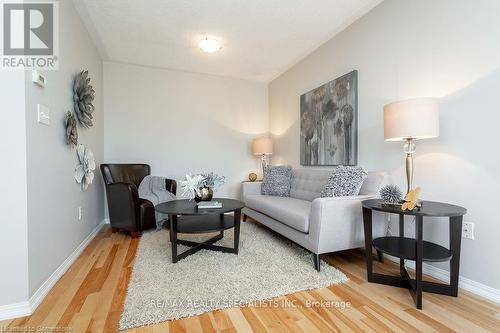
{"points": [[122, 188], [250, 188], [336, 223], [123, 205], [171, 186]]}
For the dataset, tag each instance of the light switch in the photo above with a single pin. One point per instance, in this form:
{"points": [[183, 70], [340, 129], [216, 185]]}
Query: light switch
{"points": [[43, 114]]}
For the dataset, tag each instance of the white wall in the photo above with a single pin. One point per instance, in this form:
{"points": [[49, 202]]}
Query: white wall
{"points": [[13, 197], [182, 123], [54, 230], [403, 49]]}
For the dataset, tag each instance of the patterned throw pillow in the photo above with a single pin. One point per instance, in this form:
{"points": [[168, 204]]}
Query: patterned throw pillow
{"points": [[277, 181], [344, 181]]}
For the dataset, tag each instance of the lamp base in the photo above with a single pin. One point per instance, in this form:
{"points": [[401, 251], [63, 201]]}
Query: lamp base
{"points": [[264, 163], [409, 149]]}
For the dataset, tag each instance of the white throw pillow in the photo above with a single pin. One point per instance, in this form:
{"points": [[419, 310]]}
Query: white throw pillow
{"points": [[277, 181], [344, 181]]}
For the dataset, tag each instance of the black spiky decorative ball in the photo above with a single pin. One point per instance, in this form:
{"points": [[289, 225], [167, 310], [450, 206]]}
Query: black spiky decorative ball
{"points": [[391, 194]]}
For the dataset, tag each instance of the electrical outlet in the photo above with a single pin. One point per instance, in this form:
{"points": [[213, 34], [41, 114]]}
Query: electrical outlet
{"points": [[80, 213], [468, 230]]}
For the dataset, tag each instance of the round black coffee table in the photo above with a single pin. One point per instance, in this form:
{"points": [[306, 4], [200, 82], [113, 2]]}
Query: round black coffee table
{"points": [[185, 217], [415, 249]]}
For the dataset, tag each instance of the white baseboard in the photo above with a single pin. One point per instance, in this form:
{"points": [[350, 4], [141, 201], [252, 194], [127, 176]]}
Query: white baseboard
{"points": [[15, 310], [45, 288], [22, 309], [106, 221], [464, 283]]}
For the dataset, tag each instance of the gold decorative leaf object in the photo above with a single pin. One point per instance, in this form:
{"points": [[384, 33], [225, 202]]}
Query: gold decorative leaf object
{"points": [[411, 199]]}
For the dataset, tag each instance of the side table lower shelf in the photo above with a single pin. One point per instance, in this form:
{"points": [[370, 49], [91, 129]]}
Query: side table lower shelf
{"points": [[405, 248]]}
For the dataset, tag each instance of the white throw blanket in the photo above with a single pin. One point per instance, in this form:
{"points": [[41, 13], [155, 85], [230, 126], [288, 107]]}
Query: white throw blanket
{"points": [[152, 188]]}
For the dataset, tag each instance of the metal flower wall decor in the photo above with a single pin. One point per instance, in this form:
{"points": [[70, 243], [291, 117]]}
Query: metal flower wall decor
{"points": [[83, 96], [71, 130], [84, 172]]}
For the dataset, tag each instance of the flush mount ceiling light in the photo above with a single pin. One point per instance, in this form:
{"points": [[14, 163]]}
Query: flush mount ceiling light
{"points": [[209, 45]]}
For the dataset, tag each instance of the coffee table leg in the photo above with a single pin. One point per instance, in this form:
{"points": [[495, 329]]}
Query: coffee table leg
{"points": [[170, 217], [221, 233], [237, 220], [173, 237]]}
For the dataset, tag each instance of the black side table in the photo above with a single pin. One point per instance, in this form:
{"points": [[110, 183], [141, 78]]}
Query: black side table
{"points": [[415, 249]]}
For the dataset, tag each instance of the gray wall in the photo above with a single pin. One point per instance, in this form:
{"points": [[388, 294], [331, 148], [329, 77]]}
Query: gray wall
{"points": [[403, 49], [13, 196], [54, 230], [183, 122]]}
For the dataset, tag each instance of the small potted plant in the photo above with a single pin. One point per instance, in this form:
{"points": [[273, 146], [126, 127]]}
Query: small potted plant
{"points": [[201, 187]]}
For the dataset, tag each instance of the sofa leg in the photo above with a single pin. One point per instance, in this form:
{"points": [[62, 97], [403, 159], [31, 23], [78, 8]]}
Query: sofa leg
{"points": [[316, 261], [244, 217], [135, 234], [114, 230], [380, 256]]}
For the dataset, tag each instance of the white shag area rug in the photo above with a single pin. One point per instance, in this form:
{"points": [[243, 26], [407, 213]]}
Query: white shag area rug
{"points": [[267, 266]]}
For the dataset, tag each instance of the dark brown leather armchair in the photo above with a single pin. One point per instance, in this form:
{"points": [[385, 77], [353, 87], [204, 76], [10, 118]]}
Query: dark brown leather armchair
{"points": [[126, 210]]}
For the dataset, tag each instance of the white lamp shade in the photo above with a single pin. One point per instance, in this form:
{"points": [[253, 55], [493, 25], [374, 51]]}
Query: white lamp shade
{"points": [[411, 119], [262, 146]]}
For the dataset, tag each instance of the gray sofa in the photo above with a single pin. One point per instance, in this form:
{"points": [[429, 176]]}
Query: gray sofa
{"points": [[320, 225]]}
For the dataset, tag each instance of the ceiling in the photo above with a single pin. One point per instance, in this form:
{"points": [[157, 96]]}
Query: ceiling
{"points": [[260, 38]]}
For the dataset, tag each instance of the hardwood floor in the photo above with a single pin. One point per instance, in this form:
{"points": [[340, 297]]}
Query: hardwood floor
{"points": [[89, 298]]}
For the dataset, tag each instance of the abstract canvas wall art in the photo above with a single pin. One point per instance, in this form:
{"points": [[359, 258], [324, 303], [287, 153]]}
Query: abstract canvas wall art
{"points": [[329, 123]]}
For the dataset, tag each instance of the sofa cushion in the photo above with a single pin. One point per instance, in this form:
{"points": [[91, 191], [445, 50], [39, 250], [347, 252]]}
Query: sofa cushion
{"points": [[374, 182], [276, 181], [290, 211], [344, 181], [307, 183]]}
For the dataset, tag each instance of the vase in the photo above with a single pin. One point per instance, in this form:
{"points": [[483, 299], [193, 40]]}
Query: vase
{"points": [[206, 194]]}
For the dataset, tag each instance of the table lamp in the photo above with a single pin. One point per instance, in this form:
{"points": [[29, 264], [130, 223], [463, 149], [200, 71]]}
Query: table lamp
{"points": [[263, 147], [408, 121]]}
